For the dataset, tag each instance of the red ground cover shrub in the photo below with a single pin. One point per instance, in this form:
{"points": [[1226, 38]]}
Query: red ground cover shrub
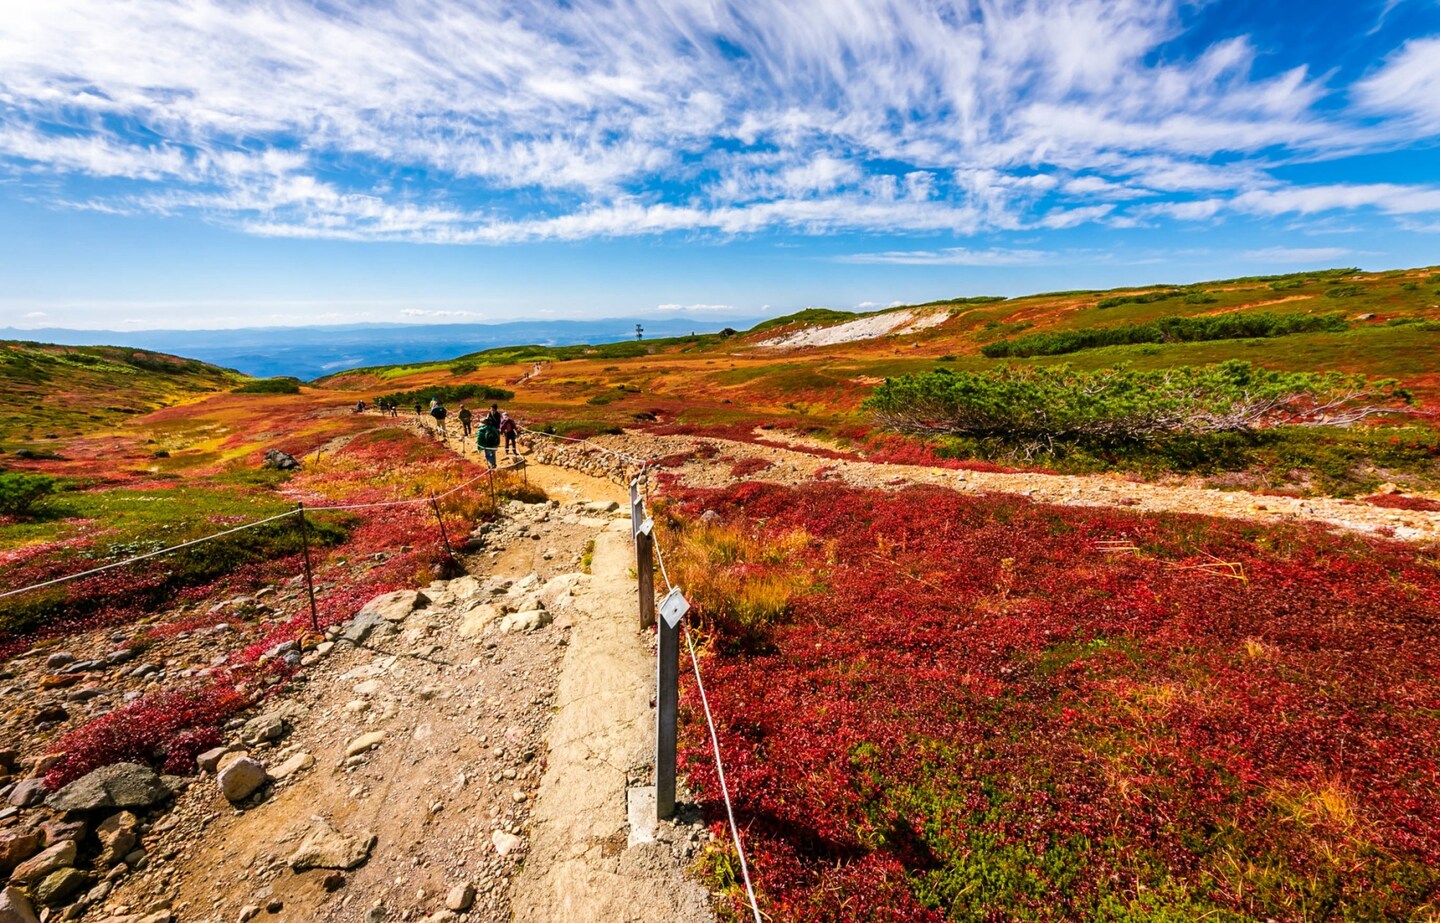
{"points": [[979, 713], [745, 467], [1403, 502]]}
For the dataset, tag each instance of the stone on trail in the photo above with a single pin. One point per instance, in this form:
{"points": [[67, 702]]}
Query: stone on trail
{"points": [[120, 785], [241, 778], [266, 727], [15, 907], [505, 843], [209, 761], [324, 847], [59, 856], [527, 621], [16, 846], [27, 793], [118, 834], [394, 607], [460, 897], [364, 742], [478, 619], [602, 506], [59, 886], [294, 764]]}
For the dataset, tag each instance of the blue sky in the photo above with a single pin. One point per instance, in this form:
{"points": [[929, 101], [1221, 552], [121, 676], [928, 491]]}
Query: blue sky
{"points": [[218, 163]]}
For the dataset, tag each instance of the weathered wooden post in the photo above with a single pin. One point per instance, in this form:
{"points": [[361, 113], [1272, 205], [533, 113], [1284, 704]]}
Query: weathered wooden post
{"points": [[435, 505], [309, 575]]}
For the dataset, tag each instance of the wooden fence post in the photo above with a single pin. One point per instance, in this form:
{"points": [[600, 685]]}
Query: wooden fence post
{"points": [[667, 707], [309, 575], [441, 519]]}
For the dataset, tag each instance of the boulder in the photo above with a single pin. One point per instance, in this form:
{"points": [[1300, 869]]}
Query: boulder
{"points": [[57, 829], [394, 607], [121, 785], [15, 907], [117, 834], [602, 506], [16, 846], [283, 461], [209, 761], [241, 778], [527, 621], [324, 847], [59, 886], [59, 856], [557, 591], [460, 897], [291, 766], [364, 743], [27, 793], [262, 729], [478, 619], [505, 843]]}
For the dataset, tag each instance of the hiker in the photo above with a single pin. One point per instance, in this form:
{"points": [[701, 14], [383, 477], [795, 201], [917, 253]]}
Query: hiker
{"points": [[465, 417], [493, 417], [509, 430], [487, 440], [438, 411], [418, 411]]}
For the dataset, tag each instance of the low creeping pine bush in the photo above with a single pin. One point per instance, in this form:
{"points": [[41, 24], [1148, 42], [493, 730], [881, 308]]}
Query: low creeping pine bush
{"points": [[1167, 330], [20, 492], [980, 708]]}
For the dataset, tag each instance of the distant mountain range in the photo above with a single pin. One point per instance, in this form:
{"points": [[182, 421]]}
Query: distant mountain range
{"points": [[312, 352]]}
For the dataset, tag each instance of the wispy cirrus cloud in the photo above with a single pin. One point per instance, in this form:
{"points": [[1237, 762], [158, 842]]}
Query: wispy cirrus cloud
{"points": [[949, 256], [495, 121]]}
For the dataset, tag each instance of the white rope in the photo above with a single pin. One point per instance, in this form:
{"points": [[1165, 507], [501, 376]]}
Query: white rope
{"points": [[384, 503], [142, 557], [724, 787]]}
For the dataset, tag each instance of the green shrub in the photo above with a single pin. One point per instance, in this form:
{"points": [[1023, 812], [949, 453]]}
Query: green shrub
{"points": [[1039, 407], [1344, 291], [20, 492], [447, 394], [463, 368], [283, 385], [1166, 330], [1116, 301], [1200, 298]]}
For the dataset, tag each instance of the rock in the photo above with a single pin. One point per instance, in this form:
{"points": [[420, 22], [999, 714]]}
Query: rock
{"points": [[291, 766], [264, 728], [209, 761], [505, 843], [241, 778], [121, 785], [602, 506], [324, 847], [460, 897], [59, 856], [333, 882], [59, 886], [527, 621], [27, 793], [15, 907], [59, 659], [57, 829], [117, 834], [16, 846], [478, 619], [364, 742], [369, 687], [249, 912], [283, 461], [51, 714], [394, 607], [464, 587], [274, 905]]}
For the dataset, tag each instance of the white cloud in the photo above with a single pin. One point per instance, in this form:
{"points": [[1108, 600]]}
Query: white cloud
{"points": [[949, 256], [423, 312], [1295, 254], [35, 315], [539, 121], [695, 308]]}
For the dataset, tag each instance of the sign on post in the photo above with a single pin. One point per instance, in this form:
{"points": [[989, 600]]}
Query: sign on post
{"points": [[673, 607]]}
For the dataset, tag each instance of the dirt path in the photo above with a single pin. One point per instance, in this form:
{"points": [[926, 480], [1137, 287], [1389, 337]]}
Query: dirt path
{"points": [[793, 465], [493, 787], [580, 868]]}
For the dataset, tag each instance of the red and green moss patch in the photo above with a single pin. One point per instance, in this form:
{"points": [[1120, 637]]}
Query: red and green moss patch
{"points": [[980, 708]]}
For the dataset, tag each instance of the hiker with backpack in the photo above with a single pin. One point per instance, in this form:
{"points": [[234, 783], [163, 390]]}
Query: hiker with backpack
{"points": [[465, 417], [438, 411], [487, 440], [510, 431]]}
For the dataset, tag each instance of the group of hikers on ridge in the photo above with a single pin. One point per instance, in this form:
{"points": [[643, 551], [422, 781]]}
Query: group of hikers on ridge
{"points": [[494, 426]]}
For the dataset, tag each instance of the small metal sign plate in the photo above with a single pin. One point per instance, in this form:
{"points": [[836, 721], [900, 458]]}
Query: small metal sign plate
{"points": [[673, 607]]}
